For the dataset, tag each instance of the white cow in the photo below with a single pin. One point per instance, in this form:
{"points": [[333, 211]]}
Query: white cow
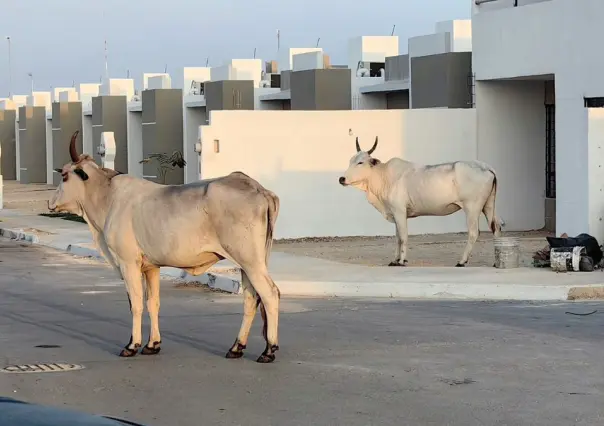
{"points": [[140, 226], [401, 189]]}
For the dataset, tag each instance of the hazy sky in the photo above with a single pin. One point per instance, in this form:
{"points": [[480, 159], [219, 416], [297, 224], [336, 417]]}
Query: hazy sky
{"points": [[60, 41]]}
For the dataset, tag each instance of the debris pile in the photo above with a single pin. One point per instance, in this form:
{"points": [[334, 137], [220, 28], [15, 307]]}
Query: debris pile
{"points": [[564, 253]]}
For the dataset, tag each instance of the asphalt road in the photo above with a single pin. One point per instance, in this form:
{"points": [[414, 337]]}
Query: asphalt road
{"points": [[342, 362]]}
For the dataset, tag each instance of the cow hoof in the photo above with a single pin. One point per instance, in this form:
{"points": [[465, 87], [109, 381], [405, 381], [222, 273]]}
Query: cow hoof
{"points": [[266, 358], [150, 351], [460, 265], [128, 353], [398, 263], [236, 351], [233, 355]]}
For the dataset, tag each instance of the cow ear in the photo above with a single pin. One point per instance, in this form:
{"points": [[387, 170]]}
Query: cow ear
{"points": [[374, 161], [81, 173]]}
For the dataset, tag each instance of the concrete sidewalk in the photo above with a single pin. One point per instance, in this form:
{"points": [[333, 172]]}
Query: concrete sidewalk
{"points": [[304, 276]]}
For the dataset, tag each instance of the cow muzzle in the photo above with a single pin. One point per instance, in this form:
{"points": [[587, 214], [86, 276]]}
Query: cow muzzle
{"points": [[342, 181]]}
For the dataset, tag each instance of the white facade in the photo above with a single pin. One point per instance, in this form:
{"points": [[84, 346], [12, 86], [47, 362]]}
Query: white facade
{"points": [[371, 49], [279, 149], [86, 93], [56, 92], [239, 69], [308, 61], [118, 87], [286, 56], [148, 75], [544, 40], [449, 36], [159, 82]]}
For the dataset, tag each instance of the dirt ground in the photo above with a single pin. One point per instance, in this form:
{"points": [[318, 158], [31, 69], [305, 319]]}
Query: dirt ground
{"points": [[31, 198], [424, 250]]}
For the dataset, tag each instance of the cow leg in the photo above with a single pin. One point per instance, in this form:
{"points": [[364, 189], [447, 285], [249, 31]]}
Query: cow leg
{"points": [[400, 258], [134, 285], [472, 217], [154, 345], [250, 305], [269, 307]]}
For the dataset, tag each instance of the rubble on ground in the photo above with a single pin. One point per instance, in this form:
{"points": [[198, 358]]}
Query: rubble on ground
{"points": [[580, 253]]}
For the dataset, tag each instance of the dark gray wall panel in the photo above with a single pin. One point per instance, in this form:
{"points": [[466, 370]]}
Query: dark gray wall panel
{"points": [[8, 166], [66, 120], [32, 144], [164, 134]]}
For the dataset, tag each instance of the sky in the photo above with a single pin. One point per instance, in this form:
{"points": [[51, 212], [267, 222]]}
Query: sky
{"points": [[62, 41]]}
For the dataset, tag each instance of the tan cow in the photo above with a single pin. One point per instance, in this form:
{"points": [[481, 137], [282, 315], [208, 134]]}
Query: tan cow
{"points": [[140, 226], [401, 190]]}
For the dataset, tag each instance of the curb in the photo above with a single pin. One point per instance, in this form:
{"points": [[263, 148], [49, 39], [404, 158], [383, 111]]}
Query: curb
{"points": [[443, 291], [19, 235], [212, 280]]}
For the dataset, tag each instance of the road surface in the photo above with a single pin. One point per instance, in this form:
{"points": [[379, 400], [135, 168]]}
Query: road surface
{"points": [[342, 362]]}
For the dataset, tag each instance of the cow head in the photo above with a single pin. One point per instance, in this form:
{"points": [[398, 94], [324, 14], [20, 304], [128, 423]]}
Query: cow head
{"points": [[77, 176], [360, 167]]}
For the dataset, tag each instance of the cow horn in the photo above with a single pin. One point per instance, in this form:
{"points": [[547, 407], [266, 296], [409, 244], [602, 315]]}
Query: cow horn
{"points": [[358, 146], [72, 148], [373, 147]]}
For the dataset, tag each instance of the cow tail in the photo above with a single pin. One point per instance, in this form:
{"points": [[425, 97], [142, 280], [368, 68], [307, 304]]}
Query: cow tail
{"points": [[494, 225], [271, 216]]}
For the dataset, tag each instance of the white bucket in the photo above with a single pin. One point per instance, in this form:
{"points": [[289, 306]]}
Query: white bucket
{"points": [[507, 252]]}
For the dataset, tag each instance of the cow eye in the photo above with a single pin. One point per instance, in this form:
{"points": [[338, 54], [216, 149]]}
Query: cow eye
{"points": [[361, 162]]}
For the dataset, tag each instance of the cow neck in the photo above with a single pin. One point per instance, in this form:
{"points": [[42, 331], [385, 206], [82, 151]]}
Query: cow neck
{"points": [[377, 184], [96, 205]]}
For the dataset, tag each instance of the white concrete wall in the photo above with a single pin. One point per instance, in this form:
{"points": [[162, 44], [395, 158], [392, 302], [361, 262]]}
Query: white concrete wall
{"points": [[135, 143], [192, 119], [87, 92], [431, 44], [301, 154], [19, 100], [87, 143], [595, 174], [191, 74], [286, 61], [223, 72], [560, 38], [371, 49], [461, 33], [511, 138], [118, 87], [68, 96], [308, 61], [56, 92], [248, 69], [40, 99], [148, 75], [159, 82]]}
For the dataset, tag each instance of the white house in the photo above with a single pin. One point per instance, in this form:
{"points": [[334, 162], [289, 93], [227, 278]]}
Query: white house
{"points": [[539, 92]]}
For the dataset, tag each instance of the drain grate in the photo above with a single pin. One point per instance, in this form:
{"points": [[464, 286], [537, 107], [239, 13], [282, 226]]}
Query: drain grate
{"points": [[54, 367]]}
